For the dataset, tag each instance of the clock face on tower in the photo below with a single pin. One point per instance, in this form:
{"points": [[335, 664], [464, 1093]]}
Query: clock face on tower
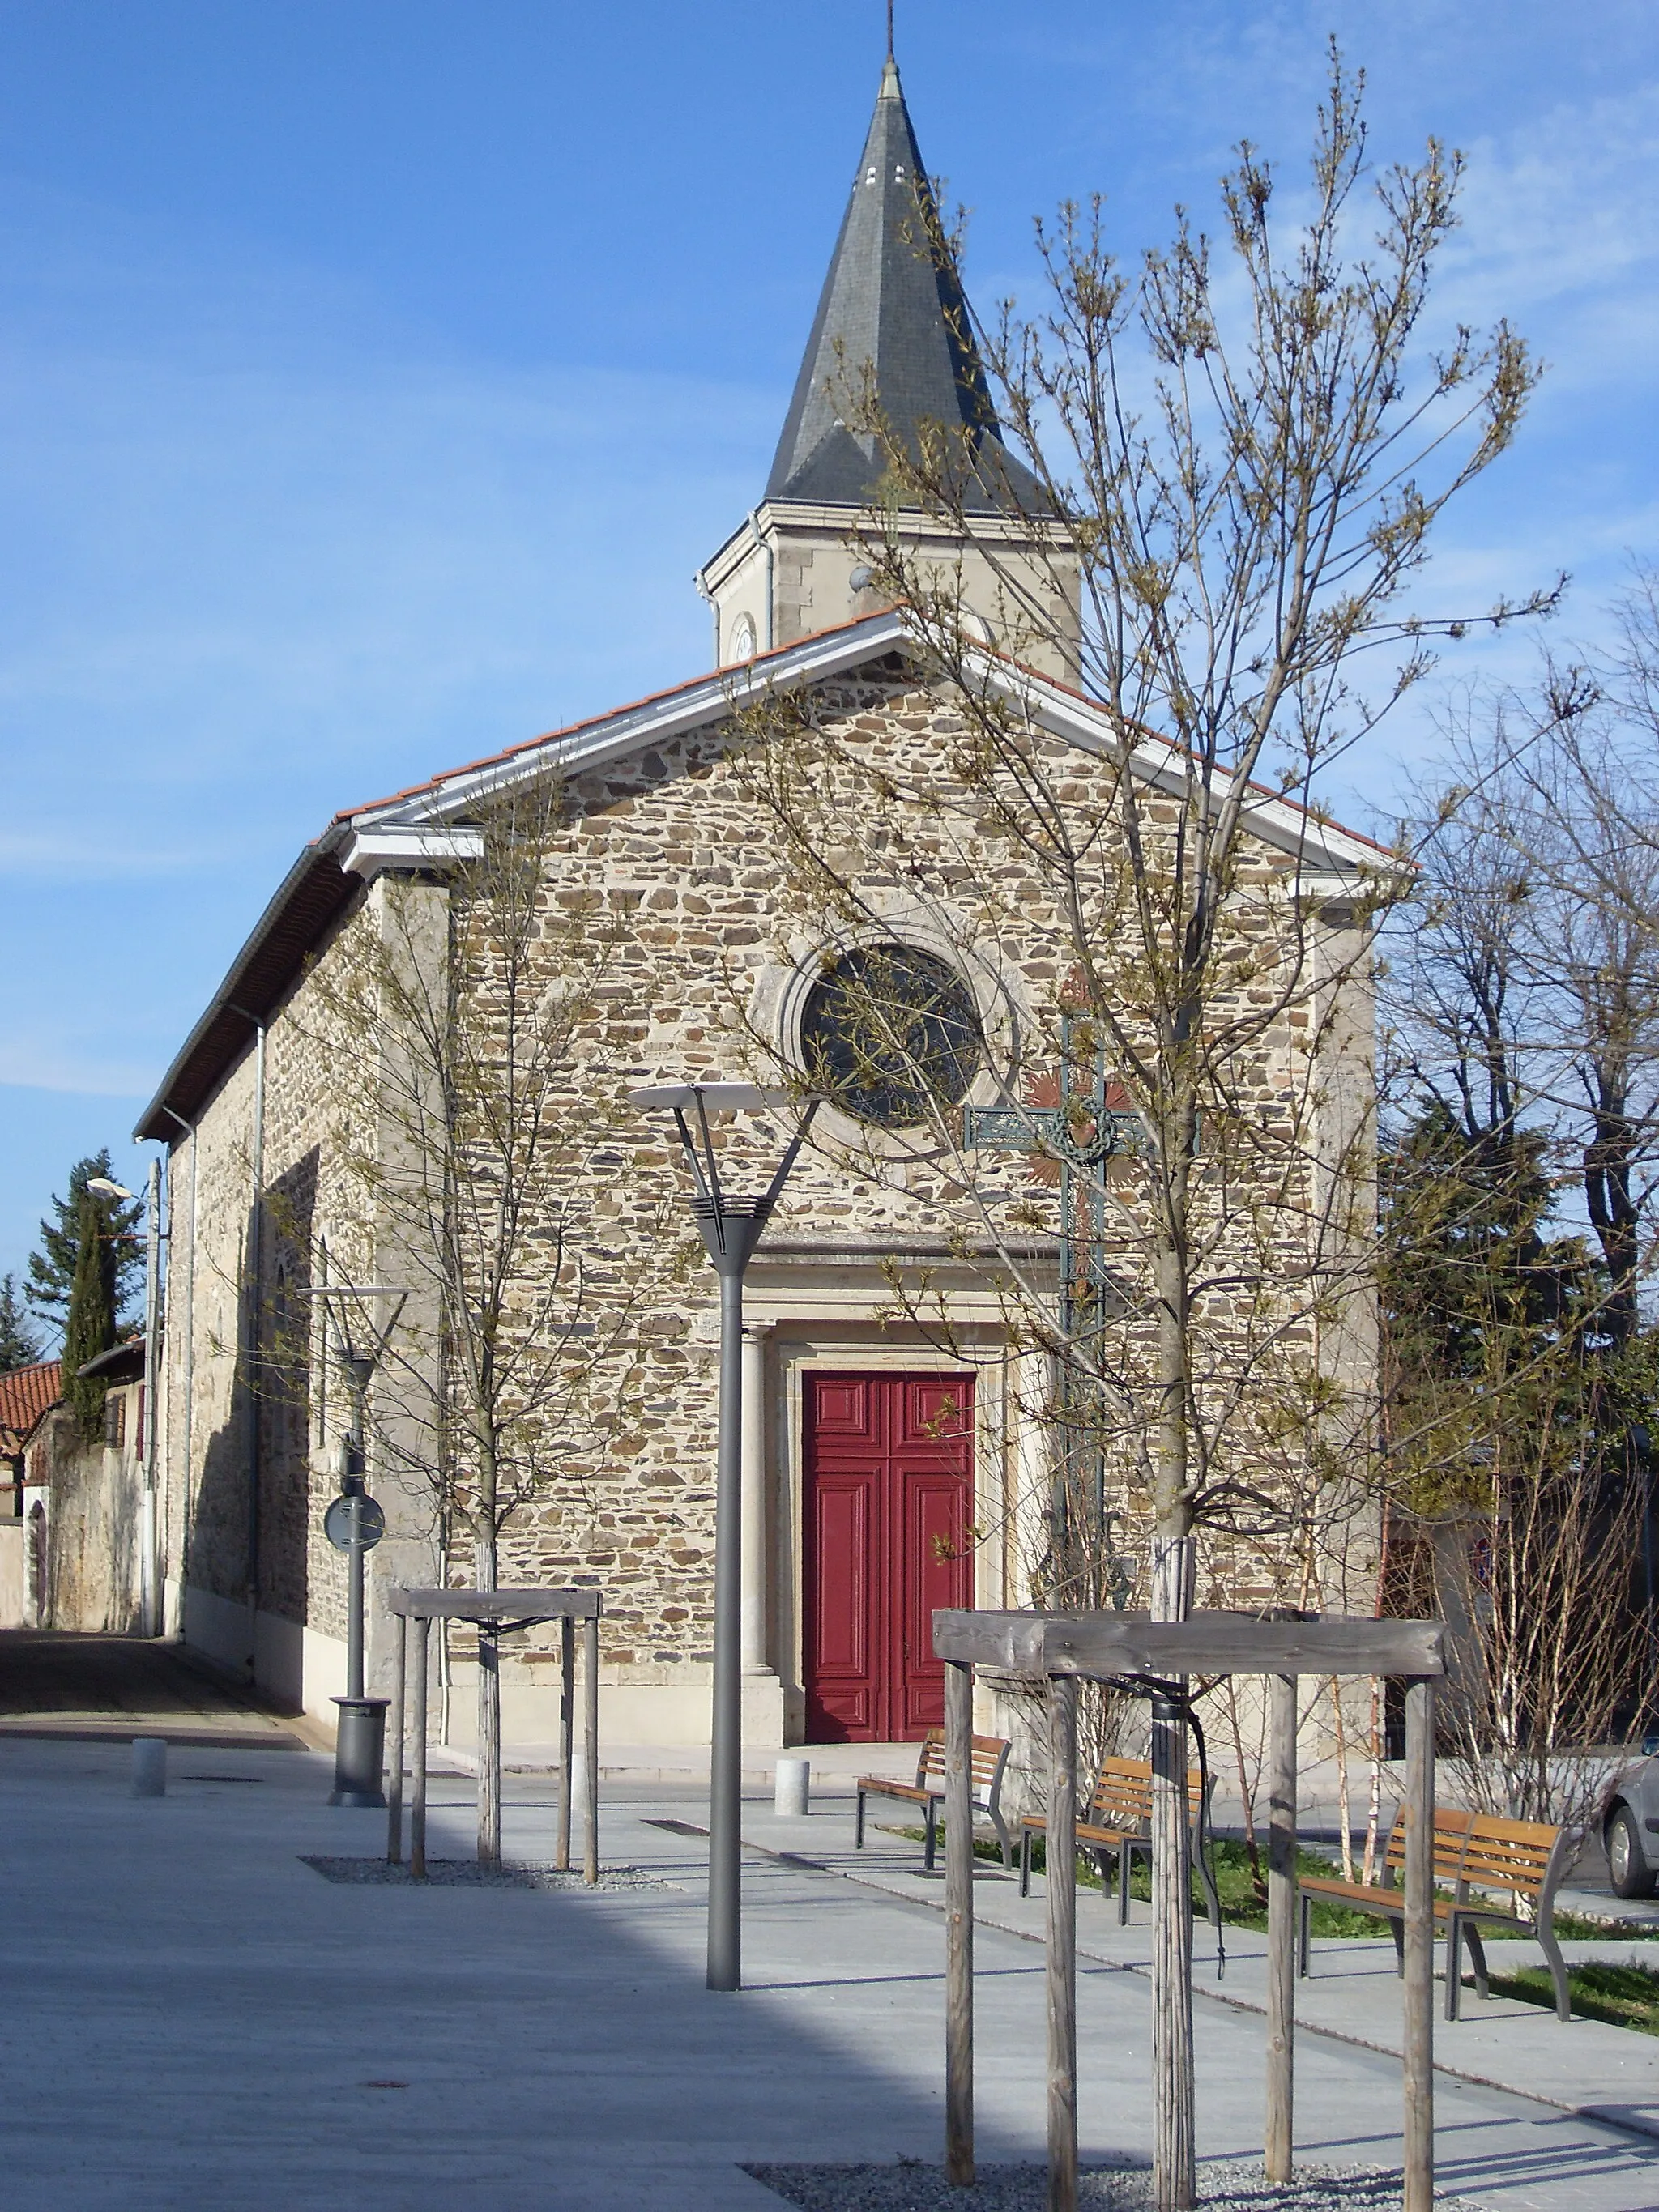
{"points": [[743, 639]]}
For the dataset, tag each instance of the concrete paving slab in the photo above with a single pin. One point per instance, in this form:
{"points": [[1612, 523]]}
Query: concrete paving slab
{"points": [[198, 2020], [1353, 1993]]}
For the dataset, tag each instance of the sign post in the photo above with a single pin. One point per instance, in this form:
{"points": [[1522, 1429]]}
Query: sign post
{"points": [[354, 1524]]}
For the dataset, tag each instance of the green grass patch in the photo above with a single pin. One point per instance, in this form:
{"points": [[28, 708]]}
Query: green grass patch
{"points": [[1244, 1904], [1624, 1997]]}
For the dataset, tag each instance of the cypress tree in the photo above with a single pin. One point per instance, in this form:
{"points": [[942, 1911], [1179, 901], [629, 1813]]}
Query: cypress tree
{"points": [[89, 1327], [51, 1266]]}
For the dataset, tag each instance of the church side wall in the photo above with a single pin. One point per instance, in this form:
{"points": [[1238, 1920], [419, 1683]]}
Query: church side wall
{"points": [[251, 1580]]}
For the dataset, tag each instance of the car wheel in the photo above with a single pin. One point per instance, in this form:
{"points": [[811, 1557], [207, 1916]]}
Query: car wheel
{"points": [[1627, 1866]]}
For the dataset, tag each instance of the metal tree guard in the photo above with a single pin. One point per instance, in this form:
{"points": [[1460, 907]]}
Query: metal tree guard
{"points": [[732, 1227]]}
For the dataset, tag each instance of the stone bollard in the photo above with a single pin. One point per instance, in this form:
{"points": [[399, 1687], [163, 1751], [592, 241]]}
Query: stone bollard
{"points": [[790, 1785], [149, 1766]]}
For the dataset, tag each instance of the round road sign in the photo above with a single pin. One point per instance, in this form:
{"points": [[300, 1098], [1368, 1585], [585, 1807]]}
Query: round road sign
{"points": [[337, 1522]]}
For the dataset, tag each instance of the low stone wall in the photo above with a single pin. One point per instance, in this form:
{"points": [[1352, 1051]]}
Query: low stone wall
{"points": [[96, 1521], [14, 1595]]}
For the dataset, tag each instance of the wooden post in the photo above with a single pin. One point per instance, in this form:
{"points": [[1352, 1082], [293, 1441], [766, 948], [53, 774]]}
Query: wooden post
{"points": [[1174, 2176], [1419, 2039], [591, 1746], [394, 1780], [566, 1740], [1061, 1844], [1281, 1927], [489, 1745], [959, 1926], [417, 1730]]}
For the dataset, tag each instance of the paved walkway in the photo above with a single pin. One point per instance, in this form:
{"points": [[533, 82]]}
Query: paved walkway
{"points": [[1353, 1993], [198, 2019], [118, 1687]]}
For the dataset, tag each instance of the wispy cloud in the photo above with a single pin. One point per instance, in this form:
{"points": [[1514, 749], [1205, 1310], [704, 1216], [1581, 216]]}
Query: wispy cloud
{"points": [[48, 1063]]}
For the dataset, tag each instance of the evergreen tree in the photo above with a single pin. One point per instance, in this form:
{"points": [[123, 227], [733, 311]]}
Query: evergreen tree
{"points": [[51, 1268], [89, 1327], [20, 1344]]}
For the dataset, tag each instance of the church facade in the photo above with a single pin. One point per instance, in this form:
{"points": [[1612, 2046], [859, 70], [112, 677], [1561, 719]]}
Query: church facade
{"points": [[890, 1468]]}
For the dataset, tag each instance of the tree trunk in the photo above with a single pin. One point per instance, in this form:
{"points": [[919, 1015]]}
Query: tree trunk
{"points": [[490, 1698], [1175, 2181], [1344, 1805]]}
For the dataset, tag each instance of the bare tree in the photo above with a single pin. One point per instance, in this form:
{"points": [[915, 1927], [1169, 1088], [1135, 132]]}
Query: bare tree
{"points": [[1525, 1036], [1239, 474]]}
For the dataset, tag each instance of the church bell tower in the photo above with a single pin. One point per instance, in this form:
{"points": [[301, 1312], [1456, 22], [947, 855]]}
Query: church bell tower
{"points": [[889, 312]]}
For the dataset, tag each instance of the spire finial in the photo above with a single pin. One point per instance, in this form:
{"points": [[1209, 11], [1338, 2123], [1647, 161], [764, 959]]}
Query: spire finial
{"points": [[889, 30]]}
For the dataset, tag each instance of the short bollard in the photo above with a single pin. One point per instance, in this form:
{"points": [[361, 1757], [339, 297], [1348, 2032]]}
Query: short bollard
{"points": [[790, 1786], [149, 1766]]}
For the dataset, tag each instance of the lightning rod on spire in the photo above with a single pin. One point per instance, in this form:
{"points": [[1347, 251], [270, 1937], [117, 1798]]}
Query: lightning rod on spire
{"points": [[889, 30]]}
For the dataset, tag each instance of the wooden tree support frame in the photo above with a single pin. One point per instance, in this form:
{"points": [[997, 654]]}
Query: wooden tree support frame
{"points": [[1064, 1648], [504, 1610]]}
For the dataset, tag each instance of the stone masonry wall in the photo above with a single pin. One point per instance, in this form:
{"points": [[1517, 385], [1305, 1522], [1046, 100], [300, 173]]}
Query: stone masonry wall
{"points": [[671, 843]]}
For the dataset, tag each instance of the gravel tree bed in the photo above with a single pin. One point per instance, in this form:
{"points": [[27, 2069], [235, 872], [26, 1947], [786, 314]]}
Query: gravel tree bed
{"points": [[467, 1873], [1235, 2185]]}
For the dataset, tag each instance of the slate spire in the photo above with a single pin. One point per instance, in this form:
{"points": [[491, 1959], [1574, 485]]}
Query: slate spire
{"points": [[885, 303]]}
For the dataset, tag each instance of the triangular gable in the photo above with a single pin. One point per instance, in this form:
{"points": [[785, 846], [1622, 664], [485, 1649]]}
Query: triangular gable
{"points": [[426, 825], [1063, 712]]}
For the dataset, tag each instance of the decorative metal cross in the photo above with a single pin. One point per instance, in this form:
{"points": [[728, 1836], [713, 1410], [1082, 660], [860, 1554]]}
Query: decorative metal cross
{"points": [[1052, 1130], [1077, 1135]]}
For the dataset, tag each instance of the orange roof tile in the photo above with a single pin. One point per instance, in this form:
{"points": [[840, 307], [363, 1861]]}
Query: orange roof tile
{"points": [[25, 1394]]}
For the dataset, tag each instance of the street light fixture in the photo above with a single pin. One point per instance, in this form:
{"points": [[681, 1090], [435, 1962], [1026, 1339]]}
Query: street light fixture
{"points": [[354, 1524], [732, 1227]]}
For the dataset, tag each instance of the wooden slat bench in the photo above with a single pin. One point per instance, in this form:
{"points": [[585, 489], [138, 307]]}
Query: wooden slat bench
{"points": [[990, 1758], [1528, 1859], [1118, 1818], [1473, 1852]]}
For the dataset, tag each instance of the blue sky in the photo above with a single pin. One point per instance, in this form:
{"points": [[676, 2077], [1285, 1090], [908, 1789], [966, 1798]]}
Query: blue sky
{"points": [[374, 373]]}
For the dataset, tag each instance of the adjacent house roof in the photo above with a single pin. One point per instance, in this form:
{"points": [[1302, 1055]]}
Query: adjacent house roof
{"points": [[427, 824], [122, 1363], [889, 307], [26, 1394]]}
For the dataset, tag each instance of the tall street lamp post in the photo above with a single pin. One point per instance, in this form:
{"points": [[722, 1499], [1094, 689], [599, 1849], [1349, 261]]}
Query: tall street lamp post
{"points": [[732, 1227], [354, 1524]]}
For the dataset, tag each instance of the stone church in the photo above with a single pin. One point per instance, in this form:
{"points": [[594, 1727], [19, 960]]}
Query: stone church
{"points": [[875, 1453]]}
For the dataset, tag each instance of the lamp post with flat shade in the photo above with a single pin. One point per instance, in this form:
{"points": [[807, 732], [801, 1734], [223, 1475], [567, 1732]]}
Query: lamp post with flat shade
{"points": [[363, 1317], [732, 1227]]}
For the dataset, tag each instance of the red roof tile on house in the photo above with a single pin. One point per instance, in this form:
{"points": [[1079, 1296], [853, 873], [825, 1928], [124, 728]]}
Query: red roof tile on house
{"points": [[25, 1394]]}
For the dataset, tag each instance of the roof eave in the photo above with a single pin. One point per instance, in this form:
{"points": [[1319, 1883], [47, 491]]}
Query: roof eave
{"points": [[653, 721], [162, 1122]]}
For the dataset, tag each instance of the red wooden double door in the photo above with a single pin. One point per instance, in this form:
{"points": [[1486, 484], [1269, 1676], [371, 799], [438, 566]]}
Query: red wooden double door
{"points": [[888, 1466]]}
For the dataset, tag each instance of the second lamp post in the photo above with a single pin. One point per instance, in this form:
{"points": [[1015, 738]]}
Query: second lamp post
{"points": [[732, 1227]]}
